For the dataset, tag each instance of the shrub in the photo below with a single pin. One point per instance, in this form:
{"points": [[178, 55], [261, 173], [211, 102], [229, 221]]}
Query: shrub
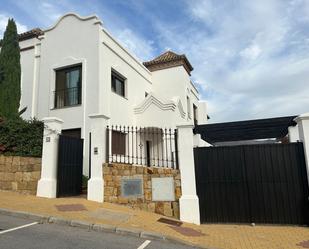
{"points": [[20, 137], [85, 181]]}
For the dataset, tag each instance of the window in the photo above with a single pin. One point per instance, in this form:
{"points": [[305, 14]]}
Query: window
{"points": [[68, 86], [188, 108], [118, 84], [195, 114], [146, 94], [118, 143]]}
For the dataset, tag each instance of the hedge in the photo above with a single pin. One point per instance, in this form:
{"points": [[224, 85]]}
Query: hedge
{"points": [[20, 137]]}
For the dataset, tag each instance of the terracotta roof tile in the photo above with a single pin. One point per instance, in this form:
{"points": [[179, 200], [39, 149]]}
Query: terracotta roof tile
{"points": [[28, 34], [168, 59]]}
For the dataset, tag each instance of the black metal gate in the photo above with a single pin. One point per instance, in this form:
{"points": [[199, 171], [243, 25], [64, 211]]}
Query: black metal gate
{"points": [[265, 183], [70, 166]]}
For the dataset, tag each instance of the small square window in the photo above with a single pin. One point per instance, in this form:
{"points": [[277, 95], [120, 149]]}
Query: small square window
{"points": [[118, 84]]}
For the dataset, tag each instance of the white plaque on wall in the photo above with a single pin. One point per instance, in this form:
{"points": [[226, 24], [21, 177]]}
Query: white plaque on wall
{"points": [[163, 189]]}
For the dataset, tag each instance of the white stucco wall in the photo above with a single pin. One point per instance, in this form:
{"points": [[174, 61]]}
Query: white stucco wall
{"points": [[175, 82], [27, 59], [67, 44], [202, 112], [171, 82], [71, 45], [138, 81], [154, 116]]}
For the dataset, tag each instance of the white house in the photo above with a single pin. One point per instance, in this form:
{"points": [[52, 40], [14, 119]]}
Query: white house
{"points": [[76, 68], [80, 80]]}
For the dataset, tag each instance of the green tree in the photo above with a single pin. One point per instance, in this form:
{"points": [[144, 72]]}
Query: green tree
{"points": [[10, 72]]}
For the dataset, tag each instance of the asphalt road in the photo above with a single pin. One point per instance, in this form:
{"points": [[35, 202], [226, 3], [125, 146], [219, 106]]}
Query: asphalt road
{"points": [[24, 233]]}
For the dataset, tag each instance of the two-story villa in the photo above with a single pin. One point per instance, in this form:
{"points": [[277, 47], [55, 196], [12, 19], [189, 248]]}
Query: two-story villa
{"points": [[76, 68]]}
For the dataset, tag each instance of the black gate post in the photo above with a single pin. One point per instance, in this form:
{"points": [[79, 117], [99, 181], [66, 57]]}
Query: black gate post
{"points": [[89, 155], [176, 148], [107, 145]]}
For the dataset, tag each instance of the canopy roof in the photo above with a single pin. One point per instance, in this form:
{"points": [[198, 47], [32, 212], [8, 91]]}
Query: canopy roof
{"points": [[246, 130]]}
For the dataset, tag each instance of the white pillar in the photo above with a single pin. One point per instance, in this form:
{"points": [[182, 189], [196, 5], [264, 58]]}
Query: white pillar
{"points": [[303, 130], [98, 156], [188, 202], [47, 185], [293, 134]]}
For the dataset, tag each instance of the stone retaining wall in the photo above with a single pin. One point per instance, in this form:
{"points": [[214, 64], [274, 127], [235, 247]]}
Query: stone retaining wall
{"points": [[20, 174], [114, 173]]}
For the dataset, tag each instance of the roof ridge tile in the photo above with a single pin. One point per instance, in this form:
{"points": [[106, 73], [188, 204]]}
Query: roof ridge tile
{"points": [[166, 59]]}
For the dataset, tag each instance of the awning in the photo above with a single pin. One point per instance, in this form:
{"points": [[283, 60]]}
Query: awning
{"points": [[245, 130]]}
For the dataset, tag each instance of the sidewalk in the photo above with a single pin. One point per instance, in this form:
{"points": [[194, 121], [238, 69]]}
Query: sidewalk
{"points": [[208, 236]]}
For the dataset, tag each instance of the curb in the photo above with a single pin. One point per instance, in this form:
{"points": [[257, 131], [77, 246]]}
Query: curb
{"points": [[25, 215], [95, 227]]}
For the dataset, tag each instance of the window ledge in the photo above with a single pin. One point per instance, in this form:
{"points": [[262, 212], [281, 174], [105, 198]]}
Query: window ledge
{"points": [[119, 95]]}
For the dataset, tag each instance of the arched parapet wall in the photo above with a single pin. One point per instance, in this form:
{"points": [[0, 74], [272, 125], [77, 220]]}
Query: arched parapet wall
{"points": [[71, 14]]}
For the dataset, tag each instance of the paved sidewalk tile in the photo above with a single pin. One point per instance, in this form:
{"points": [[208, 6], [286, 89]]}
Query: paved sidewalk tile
{"points": [[70, 207], [111, 217], [106, 214], [187, 231]]}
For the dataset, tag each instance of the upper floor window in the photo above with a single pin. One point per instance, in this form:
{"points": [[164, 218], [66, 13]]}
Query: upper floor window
{"points": [[195, 114], [68, 86], [188, 108], [118, 84]]}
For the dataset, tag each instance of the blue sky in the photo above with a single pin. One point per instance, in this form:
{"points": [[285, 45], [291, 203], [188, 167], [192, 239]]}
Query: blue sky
{"points": [[250, 58]]}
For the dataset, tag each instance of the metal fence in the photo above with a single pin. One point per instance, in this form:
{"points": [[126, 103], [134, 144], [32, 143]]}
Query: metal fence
{"points": [[147, 146]]}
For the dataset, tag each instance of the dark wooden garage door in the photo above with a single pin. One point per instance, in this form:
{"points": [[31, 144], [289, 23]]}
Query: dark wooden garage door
{"points": [[264, 183]]}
